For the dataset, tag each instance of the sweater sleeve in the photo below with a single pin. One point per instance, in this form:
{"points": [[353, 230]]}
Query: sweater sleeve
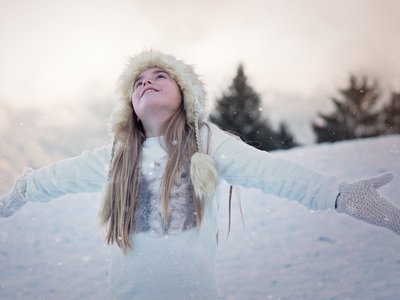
{"points": [[84, 173], [241, 164]]}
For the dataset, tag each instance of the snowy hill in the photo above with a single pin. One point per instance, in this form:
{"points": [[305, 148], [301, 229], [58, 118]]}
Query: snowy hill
{"points": [[56, 251]]}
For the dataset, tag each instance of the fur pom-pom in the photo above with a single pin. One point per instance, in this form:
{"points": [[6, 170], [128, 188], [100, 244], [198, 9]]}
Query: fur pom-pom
{"points": [[203, 173]]}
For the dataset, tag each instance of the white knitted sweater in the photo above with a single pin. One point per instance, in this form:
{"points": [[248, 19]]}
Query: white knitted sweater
{"points": [[178, 261]]}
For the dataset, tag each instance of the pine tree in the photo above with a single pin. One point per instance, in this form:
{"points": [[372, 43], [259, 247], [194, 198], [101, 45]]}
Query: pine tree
{"points": [[354, 117], [239, 111], [391, 115], [285, 137]]}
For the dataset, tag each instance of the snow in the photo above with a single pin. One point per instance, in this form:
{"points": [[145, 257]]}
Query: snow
{"points": [[56, 250]]}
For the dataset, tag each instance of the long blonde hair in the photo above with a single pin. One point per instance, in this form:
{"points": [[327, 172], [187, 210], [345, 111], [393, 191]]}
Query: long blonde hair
{"points": [[117, 211]]}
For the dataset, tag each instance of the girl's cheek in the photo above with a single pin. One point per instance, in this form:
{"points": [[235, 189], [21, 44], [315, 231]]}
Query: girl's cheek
{"points": [[136, 93], [134, 97]]}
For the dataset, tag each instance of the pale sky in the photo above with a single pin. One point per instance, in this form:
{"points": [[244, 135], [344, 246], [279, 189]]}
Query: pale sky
{"points": [[295, 53]]}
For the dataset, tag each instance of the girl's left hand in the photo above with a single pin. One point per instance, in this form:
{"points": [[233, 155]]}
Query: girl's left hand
{"points": [[362, 201]]}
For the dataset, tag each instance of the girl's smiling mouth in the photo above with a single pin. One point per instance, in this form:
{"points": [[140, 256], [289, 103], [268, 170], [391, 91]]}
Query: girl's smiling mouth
{"points": [[146, 90]]}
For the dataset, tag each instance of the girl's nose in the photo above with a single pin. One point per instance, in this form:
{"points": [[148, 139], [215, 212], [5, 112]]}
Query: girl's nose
{"points": [[146, 82]]}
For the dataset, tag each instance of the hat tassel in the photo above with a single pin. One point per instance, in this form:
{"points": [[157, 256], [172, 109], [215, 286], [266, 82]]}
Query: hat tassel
{"points": [[203, 171]]}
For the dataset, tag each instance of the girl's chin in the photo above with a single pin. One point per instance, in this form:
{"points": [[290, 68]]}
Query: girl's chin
{"points": [[148, 95]]}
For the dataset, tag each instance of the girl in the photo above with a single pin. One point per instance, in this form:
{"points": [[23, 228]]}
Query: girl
{"points": [[159, 178]]}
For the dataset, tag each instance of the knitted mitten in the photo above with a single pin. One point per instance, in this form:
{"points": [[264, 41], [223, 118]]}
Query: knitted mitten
{"points": [[362, 201], [15, 198]]}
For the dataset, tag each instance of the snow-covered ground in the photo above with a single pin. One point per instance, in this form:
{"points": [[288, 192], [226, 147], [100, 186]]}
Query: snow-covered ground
{"points": [[56, 251]]}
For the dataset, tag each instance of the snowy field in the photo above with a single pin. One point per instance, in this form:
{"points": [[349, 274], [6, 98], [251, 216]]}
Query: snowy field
{"points": [[56, 251]]}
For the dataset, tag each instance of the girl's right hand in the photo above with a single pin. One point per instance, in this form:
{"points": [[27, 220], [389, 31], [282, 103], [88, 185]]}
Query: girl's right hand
{"points": [[15, 198]]}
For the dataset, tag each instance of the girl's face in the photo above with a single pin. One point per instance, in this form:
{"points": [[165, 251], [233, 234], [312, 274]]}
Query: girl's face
{"points": [[155, 95]]}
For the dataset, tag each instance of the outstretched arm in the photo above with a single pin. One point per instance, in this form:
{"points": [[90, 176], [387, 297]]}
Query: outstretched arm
{"points": [[84, 173], [241, 164]]}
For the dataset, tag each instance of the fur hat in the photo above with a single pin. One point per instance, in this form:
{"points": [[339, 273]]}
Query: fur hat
{"points": [[202, 167]]}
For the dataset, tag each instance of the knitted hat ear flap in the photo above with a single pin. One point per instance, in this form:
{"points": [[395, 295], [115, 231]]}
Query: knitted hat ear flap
{"points": [[203, 171]]}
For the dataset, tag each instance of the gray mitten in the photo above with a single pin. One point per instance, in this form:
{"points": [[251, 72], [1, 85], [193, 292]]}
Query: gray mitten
{"points": [[362, 201], [15, 198]]}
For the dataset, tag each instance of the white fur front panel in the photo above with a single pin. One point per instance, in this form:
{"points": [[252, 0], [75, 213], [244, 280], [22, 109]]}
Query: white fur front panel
{"points": [[148, 212]]}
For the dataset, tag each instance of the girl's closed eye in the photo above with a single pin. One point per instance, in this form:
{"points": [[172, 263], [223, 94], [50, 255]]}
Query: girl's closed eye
{"points": [[162, 75], [137, 84]]}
